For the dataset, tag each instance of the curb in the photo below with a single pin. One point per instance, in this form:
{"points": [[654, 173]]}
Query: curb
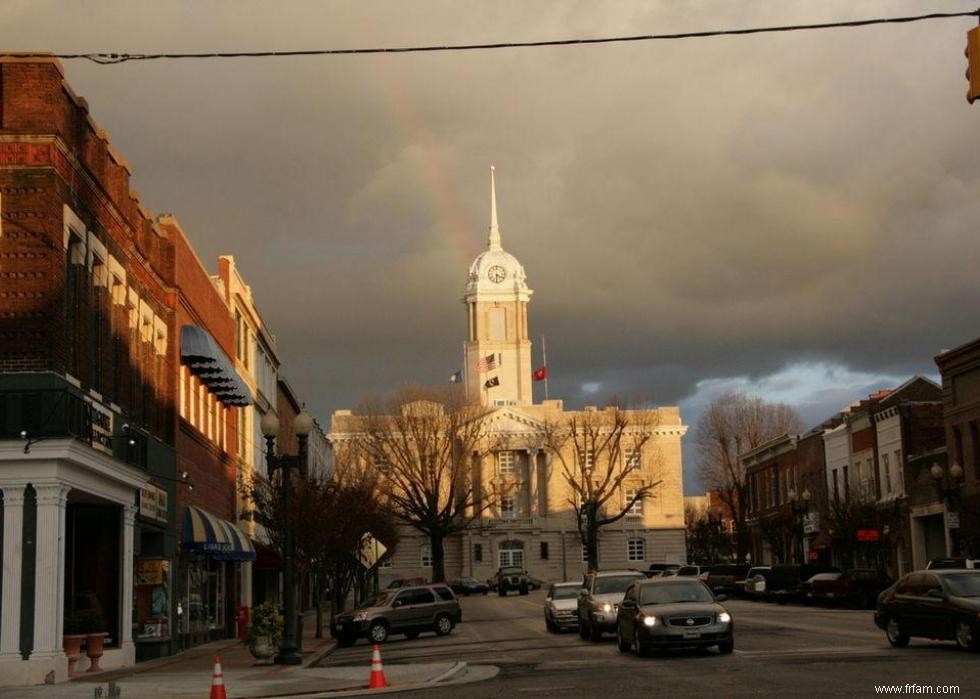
{"points": [[445, 677]]}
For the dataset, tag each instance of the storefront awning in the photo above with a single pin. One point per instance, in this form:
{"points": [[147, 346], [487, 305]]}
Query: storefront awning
{"points": [[212, 536], [206, 360], [266, 557]]}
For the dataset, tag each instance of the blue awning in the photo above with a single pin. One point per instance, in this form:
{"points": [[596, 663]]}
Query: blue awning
{"points": [[208, 535], [206, 360]]}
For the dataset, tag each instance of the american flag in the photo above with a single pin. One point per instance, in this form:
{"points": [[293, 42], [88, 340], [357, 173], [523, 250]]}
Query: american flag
{"points": [[488, 363]]}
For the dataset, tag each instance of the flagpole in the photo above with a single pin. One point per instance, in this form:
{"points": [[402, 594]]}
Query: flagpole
{"points": [[544, 359]]}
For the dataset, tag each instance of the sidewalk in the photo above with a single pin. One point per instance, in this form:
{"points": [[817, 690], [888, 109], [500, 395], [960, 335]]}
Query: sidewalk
{"points": [[188, 675]]}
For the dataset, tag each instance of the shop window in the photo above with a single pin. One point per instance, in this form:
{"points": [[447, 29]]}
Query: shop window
{"points": [[203, 608], [151, 609]]}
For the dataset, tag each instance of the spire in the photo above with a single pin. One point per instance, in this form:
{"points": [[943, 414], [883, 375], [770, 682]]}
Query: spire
{"points": [[494, 240]]}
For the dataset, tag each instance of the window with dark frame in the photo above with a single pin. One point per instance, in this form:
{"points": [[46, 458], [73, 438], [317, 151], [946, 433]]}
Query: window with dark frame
{"points": [[544, 551], [478, 553]]}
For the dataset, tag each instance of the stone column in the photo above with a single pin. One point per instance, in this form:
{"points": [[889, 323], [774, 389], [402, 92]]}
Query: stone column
{"points": [[49, 596], [13, 538], [532, 482], [126, 568]]}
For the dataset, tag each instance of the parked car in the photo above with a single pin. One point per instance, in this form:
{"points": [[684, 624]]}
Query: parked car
{"points": [[754, 585], [953, 563], [859, 587], [406, 582], [560, 606], [727, 578], [599, 598], [658, 569], [941, 604], [672, 612], [692, 571], [511, 578], [784, 581], [469, 586], [407, 610]]}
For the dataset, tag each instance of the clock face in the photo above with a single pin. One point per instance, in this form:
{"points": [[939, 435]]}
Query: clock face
{"points": [[496, 274]]}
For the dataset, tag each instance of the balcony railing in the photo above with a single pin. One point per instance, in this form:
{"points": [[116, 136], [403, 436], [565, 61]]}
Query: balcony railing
{"points": [[505, 522], [33, 416]]}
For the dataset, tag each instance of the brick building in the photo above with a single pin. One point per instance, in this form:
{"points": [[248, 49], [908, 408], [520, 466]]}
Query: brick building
{"points": [[960, 369], [86, 378]]}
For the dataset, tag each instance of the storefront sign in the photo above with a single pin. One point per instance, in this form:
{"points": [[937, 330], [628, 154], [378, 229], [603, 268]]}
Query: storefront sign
{"points": [[868, 535], [153, 503], [811, 523], [812, 556], [952, 520], [151, 571], [101, 420]]}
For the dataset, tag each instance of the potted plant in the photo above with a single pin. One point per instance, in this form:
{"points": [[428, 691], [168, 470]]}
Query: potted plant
{"points": [[74, 637], [265, 632], [92, 624]]}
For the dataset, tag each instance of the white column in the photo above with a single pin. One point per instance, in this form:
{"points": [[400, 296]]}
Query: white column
{"points": [[13, 537], [532, 483], [126, 585], [49, 585]]}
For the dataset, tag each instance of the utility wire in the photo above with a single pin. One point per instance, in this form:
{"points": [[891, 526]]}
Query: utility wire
{"points": [[112, 58]]}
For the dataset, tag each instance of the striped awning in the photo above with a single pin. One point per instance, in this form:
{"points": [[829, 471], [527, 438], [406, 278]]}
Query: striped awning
{"points": [[212, 536], [202, 355]]}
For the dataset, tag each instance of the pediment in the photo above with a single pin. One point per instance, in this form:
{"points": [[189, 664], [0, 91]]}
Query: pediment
{"points": [[511, 420]]}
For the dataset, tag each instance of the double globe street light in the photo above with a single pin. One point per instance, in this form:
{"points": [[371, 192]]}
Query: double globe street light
{"points": [[948, 482], [302, 426], [801, 508]]}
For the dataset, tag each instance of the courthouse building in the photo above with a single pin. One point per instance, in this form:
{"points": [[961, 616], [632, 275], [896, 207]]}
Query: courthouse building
{"points": [[533, 523]]}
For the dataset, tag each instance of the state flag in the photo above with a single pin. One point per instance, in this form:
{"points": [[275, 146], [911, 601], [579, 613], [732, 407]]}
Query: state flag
{"points": [[490, 383], [540, 374]]}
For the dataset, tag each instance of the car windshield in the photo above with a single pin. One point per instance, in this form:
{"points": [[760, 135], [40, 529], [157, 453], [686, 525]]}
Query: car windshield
{"points": [[377, 600], [567, 592], [967, 585], [673, 593], [614, 583]]}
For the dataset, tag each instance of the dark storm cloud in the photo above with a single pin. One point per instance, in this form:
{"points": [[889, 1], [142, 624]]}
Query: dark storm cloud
{"points": [[686, 211]]}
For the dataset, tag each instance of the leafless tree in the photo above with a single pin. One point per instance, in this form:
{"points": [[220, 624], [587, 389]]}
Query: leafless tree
{"points": [[732, 425], [422, 444], [596, 451]]}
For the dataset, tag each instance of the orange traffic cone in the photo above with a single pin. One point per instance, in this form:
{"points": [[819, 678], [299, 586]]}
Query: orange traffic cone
{"points": [[378, 680], [218, 681]]}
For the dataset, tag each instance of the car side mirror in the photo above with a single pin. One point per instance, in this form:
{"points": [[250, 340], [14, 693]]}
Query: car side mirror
{"points": [[397, 603], [721, 598], [627, 604]]}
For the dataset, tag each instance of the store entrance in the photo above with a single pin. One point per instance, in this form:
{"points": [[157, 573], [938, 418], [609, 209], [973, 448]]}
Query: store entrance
{"points": [[92, 564]]}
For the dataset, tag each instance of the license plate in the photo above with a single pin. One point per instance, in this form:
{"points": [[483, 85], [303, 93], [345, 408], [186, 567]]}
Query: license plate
{"points": [[692, 634]]}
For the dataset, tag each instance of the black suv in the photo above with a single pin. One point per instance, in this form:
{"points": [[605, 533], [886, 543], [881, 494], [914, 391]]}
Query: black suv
{"points": [[784, 581], [511, 578]]}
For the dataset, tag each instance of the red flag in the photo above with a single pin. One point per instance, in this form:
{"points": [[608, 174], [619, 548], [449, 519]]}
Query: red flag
{"points": [[541, 374]]}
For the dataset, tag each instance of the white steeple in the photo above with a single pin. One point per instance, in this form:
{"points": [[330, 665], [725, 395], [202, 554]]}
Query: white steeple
{"points": [[494, 241]]}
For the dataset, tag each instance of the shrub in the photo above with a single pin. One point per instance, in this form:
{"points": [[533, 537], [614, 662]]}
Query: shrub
{"points": [[266, 621]]}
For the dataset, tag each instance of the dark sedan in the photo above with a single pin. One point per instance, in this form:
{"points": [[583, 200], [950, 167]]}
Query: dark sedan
{"points": [[859, 587], [672, 612], [469, 586], [938, 604]]}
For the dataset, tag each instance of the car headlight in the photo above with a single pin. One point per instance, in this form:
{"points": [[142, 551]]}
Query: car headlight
{"points": [[607, 608], [724, 617], [649, 621], [360, 616]]}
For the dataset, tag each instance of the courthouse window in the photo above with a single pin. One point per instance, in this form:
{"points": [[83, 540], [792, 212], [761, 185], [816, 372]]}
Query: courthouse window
{"points": [[636, 549], [505, 463]]}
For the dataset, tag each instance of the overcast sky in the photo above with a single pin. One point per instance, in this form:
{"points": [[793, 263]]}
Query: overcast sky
{"points": [[792, 215]]}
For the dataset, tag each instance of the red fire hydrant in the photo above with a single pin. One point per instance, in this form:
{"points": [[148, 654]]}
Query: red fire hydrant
{"points": [[242, 619]]}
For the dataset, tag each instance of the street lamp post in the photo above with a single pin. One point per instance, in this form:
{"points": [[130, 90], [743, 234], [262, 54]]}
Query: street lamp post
{"points": [[800, 507], [302, 426], [948, 484]]}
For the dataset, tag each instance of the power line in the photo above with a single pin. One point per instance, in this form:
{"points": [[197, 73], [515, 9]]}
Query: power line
{"points": [[113, 58]]}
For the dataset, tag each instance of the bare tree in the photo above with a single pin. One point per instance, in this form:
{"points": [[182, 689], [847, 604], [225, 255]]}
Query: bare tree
{"points": [[422, 443], [597, 452], [732, 425]]}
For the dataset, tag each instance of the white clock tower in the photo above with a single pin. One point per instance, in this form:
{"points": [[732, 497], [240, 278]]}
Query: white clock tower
{"points": [[497, 349]]}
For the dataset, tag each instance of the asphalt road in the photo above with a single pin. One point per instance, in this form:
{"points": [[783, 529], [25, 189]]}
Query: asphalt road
{"points": [[779, 650]]}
